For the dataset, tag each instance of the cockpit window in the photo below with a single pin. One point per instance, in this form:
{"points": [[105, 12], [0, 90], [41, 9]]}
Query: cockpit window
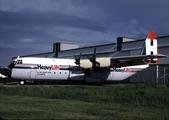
{"points": [[18, 62]]}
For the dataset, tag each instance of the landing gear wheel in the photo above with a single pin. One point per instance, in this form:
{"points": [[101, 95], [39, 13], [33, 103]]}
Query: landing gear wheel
{"points": [[21, 82]]}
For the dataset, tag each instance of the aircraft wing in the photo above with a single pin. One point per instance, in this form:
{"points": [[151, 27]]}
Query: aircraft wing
{"points": [[149, 55], [133, 60]]}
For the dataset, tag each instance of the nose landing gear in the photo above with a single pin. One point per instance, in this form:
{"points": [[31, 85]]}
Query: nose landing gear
{"points": [[21, 82]]}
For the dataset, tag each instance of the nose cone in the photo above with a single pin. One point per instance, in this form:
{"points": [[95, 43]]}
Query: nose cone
{"points": [[6, 72]]}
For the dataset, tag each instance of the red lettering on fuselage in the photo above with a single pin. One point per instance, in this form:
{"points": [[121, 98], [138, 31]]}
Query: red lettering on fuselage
{"points": [[126, 70], [55, 67]]}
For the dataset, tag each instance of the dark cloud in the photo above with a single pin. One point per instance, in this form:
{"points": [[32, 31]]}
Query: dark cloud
{"points": [[21, 30], [27, 20], [150, 15], [18, 25]]}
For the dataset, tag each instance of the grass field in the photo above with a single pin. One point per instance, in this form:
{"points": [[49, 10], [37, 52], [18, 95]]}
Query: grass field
{"points": [[136, 101]]}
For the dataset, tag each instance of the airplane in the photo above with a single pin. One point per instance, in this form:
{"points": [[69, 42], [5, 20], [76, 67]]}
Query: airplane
{"points": [[90, 70]]}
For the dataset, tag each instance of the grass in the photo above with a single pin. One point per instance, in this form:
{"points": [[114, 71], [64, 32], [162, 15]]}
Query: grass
{"points": [[137, 101]]}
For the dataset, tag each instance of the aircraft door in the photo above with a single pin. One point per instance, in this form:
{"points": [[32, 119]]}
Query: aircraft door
{"points": [[33, 74]]}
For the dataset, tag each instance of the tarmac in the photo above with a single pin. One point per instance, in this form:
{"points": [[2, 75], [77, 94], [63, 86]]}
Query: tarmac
{"points": [[6, 82]]}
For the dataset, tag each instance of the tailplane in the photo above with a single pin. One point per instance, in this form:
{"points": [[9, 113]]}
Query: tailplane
{"points": [[150, 47]]}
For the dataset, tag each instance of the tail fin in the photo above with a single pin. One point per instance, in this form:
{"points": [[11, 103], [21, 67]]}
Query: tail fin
{"points": [[150, 47]]}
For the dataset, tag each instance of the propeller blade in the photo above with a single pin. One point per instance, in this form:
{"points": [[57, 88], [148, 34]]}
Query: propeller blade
{"points": [[91, 70], [74, 57], [94, 54], [93, 59], [11, 65], [77, 61], [98, 64], [80, 56]]}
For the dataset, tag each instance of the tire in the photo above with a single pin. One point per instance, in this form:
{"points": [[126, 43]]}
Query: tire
{"points": [[21, 82]]}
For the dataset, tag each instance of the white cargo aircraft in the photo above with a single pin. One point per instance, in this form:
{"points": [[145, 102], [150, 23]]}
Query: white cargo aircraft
{"points": [[93, 69]]}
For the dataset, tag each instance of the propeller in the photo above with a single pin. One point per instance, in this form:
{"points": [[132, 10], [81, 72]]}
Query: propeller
{"points": [[77, 60], [93, 59], [11, 65]]}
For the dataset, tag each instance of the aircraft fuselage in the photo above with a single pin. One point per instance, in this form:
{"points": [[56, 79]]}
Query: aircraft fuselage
{"points": [[64, 69]]}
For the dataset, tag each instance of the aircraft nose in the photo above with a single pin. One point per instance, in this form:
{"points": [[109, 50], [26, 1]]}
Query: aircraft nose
{"points": [[6, 72]]}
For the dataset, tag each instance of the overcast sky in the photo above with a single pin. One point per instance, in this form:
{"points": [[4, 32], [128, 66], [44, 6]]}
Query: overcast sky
{"points": [[32, 26]]}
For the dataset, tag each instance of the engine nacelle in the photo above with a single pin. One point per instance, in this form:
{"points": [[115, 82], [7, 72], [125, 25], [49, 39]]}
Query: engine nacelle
{"points": [[104, 62], [85, 63]]}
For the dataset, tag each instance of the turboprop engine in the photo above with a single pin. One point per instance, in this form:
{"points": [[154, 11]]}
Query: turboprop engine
{"points": [[102, 62]]}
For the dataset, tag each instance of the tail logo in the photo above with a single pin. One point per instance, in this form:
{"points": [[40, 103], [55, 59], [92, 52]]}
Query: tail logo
{"points": [[150, 47]]}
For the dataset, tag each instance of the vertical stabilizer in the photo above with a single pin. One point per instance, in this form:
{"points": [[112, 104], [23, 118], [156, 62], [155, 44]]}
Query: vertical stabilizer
{"points": [[150, 47]]}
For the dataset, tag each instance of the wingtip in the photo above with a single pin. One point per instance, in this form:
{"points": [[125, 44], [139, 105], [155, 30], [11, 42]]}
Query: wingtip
{"points": [[160, 55]]}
